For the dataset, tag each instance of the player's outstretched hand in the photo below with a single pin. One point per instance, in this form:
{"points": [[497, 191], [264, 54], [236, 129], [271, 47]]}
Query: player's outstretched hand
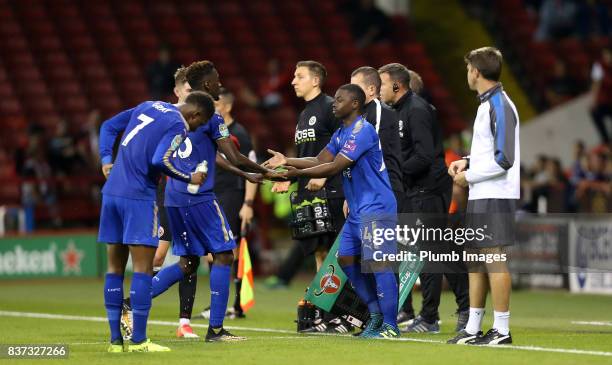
{"points": [[277, 159], [255, 178], [290, 173], [106, 169], [457, 167], [275, 175], [198, 178]]}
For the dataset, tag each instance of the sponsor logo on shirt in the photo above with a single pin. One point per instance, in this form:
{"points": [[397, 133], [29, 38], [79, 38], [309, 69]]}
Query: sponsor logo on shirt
{"points": [[312, 120], [305, 135]]}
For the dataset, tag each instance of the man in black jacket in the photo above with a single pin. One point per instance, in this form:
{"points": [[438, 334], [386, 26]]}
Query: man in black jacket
{"points": [[315, 126], [427, 190], [386, 122]]}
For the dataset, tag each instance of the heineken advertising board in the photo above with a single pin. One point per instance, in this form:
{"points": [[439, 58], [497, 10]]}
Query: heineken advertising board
{"points": [[51, 256]]}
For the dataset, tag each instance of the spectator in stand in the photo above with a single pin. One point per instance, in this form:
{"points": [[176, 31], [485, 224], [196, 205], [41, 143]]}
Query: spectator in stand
{"points": [[594, 191], [556, 187], [269, 95], [578, 169], [557, 20], [368, 23], [533, 185], [601, 91], [63, 155], [549, 182], [538, 172], [160, 75], [38, 185], [91, 131], [576, 174], [593, 17], [561, 87]]}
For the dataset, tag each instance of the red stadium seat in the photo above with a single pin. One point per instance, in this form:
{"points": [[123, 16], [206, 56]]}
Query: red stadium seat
{"points": [[32, 89], [93, 72], [10, 106], [10, 192], [82, 43], [68, 88], [42, 106], [6, 90], [15, 43], [60, 73], [75, 28], [132, 9], [75, 104]]}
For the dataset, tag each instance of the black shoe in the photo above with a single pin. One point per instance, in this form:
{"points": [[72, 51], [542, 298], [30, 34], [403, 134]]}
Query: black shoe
{"points": [[464, 338], [239, 312], [221, 335], [462, 320], [404, 319], [420, 325], [233, 313], [339, 325], [319, 325], [492, 337]]}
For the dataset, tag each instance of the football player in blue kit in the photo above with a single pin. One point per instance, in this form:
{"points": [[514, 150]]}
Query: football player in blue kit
{"points": [[152, 132], [197, 221], [354, 150]]}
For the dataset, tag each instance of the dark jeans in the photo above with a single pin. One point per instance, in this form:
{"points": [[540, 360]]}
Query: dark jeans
{"points": [[599, 115], [431, 275]]}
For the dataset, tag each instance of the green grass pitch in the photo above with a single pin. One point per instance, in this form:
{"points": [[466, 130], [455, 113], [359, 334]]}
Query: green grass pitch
{"points": [[541, 325]]}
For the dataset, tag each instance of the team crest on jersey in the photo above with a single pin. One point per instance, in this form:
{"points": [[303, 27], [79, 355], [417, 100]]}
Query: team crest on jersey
{"points": [[358, 127], [349, 146], [160, 231], [223, 131], [313, 120], [176, 142]]}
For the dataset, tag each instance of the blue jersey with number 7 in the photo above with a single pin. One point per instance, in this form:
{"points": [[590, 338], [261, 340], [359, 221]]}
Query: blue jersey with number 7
{"points": [[152, 131]]}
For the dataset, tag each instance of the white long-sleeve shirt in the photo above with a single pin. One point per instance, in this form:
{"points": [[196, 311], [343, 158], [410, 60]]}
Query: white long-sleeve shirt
{"points": [[494, 167]]}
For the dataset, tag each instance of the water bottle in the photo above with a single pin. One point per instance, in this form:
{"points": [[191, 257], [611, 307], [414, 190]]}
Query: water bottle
{"points": [[303, 215], [319, 209], [202, 167]]}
